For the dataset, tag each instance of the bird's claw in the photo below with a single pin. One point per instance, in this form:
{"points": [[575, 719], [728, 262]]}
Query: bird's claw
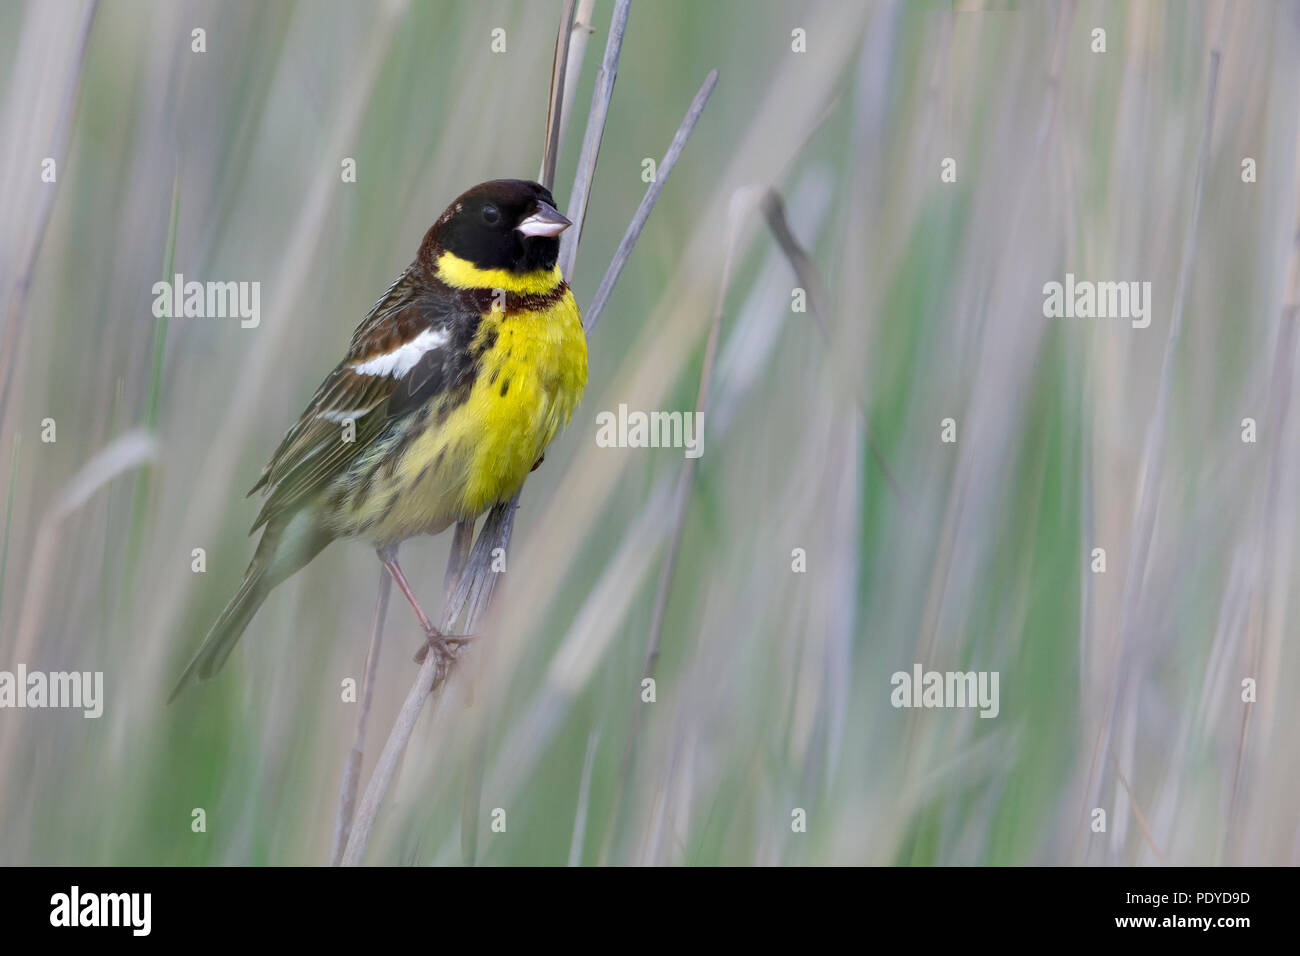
{"points": [[447, 646]]}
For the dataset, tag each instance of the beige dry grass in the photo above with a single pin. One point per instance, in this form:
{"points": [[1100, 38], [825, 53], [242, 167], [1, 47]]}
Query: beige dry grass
{"points": [[773, 687]]}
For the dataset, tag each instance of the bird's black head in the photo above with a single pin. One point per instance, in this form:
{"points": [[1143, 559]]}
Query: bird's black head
{"points": [[509, 224]]}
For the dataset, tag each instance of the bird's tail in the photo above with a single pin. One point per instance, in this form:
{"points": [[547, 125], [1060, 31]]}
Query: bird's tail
{"points": [[280, 553], [225, 633]]}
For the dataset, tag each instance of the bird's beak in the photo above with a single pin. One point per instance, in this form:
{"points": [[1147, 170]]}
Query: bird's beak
{"points": [[546, 220]]}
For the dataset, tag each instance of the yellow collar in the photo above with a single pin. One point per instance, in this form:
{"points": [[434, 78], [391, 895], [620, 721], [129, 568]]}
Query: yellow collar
{"points": [[463, 274]]}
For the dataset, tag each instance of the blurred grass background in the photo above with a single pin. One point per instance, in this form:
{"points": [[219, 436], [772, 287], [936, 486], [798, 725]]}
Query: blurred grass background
{"points": [[1119, 690]]}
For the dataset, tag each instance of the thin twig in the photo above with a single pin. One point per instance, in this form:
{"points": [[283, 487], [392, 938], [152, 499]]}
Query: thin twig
{"points": [[386, 766], [472, 796], [554, 107], [474, 590], [13, 320], [1269, 504], [580, 32], [681, 501], [461, 541], [1137, 812], [352, 770], [584, 799], [810, 278], [1153, 445], [649, 199], [479, 582], [133, 449], [460, 545], [471, 592], [586, 171]]}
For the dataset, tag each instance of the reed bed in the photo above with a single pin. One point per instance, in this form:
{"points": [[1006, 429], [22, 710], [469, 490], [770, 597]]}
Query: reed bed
{"points": [[1120, 690]]}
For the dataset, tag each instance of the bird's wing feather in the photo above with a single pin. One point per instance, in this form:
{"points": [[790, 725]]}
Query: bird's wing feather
{"points": [[409, 348], [317, 451]]}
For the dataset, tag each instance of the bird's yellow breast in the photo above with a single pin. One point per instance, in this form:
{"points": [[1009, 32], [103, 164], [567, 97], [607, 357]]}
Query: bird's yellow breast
{"points": [[473, 451], [527, 389]]}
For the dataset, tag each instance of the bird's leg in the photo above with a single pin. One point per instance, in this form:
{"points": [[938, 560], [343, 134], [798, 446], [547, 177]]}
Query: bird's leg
{"points": [[434, 638]]}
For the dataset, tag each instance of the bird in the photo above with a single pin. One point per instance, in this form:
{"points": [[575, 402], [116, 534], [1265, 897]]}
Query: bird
{"points": [[462, 373]]}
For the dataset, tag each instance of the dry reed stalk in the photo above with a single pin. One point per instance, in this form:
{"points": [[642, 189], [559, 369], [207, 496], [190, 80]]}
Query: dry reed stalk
{"points": [[584, 800], [15, 311], [1268, 506], [133, 449], [596, 117], [352, 769], [555, 104], [681, 501], [1153, 447]]}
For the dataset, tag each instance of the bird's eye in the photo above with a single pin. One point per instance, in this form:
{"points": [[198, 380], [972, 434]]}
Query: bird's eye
{"points": [[491, 215]]}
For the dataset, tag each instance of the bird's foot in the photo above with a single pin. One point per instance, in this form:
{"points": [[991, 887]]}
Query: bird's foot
{"points": [[447, 646]]}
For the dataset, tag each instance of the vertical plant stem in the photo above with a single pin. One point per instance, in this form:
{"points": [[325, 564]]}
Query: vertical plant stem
{"points": [[649, 199], [352, 770], [1280, 388], [9, 513], [681, 502], [461, 541], [140, 501], [1153, 446], [596, 117], [555, 105], [584, 800], [15, 308], [135, 530], [580, 32]]}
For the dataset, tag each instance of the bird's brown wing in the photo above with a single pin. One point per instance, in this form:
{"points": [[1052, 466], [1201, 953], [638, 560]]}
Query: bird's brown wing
{"points": [[319, 446], [410, 346]]}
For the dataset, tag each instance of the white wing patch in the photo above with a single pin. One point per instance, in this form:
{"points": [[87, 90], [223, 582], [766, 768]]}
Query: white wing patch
{"points": [[343, 416], [403, 358]]}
